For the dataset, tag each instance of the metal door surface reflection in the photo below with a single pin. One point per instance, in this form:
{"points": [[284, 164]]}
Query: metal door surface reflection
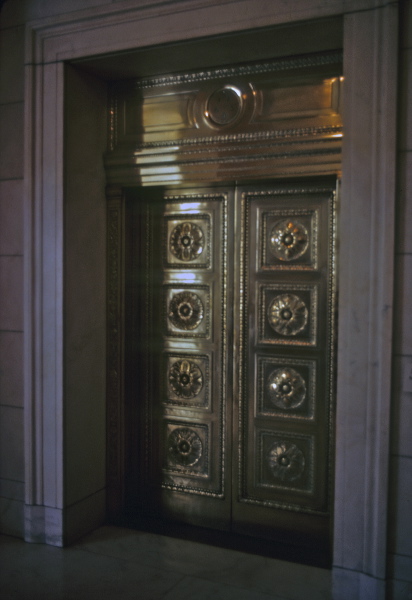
{"points": [[235, 345]]}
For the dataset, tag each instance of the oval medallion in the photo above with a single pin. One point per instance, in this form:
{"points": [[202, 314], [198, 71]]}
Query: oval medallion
{"points": [[288, 314], [286, 388]]}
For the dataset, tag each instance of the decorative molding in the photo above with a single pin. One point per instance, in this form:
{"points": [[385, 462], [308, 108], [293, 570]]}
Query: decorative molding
{"points": [[84, 33], [43, 287], [115, 335], [148, 327], [241, 138], [270, 154], [282, 64]]}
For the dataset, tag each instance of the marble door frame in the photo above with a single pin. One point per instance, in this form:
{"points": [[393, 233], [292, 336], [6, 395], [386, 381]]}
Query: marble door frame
{"points": [[366, 230]]}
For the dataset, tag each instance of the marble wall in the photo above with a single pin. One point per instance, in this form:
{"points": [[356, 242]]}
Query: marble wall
{"points": [[13, 16], [11, 277]]}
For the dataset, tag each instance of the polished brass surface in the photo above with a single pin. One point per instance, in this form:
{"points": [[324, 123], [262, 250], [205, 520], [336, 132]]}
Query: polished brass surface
{"points": [[286, 338], [237, 427], [221, 297], [178, 299], [278, 118]]}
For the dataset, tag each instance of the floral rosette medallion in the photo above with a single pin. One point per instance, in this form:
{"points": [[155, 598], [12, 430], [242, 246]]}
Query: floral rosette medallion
{"points": [[186, 310], [286, 388], [288, 314], [286, 461], [184, 447], [185, 379], [186, 241], [288, 239]]}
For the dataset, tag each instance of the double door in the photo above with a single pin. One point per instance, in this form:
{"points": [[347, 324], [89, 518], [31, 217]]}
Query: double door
{"points": [[232, 334]]}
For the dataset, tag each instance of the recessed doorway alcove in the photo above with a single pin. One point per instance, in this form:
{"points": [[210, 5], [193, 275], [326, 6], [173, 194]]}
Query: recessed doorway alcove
{"points": [[189, 153], [68, 67]]}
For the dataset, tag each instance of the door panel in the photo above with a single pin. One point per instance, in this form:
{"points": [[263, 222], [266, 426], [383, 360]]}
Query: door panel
{"points": [[239, 286], [188, 419], [286, 346]]}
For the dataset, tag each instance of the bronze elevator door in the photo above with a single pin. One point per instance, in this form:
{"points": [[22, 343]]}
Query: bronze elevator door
{"points": [[231, 311]]}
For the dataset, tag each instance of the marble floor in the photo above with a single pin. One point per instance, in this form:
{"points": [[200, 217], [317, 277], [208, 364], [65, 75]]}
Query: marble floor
{"points": [[116, 563]]}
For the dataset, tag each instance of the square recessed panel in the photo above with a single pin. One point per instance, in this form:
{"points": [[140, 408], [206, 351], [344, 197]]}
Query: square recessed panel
{"points": [[286, 388], [187, 311], [187, 241], [187, 381], [288, 314], [285, 461], [289, 239], [186, 449]]}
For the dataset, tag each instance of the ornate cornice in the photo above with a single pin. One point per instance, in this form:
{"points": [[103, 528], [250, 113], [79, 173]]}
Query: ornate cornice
{"points": [[241, 138], [290, 63]]}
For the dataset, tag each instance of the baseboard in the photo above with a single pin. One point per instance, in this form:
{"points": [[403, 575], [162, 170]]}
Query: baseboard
{"points": [[85, 516], [12, 517], [43, 525], [352, 585], [60, 527]]}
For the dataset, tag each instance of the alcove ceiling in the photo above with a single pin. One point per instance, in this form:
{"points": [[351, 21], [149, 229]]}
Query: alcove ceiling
{"points": [[233, 48]]}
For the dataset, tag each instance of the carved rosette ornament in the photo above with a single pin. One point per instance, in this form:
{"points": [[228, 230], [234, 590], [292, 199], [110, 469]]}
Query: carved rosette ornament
{"points": [[286, 388], [185, 379], [288, 314], [186, 310], [288, 239], [186, 241], [286, 461], [184, 447]]}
